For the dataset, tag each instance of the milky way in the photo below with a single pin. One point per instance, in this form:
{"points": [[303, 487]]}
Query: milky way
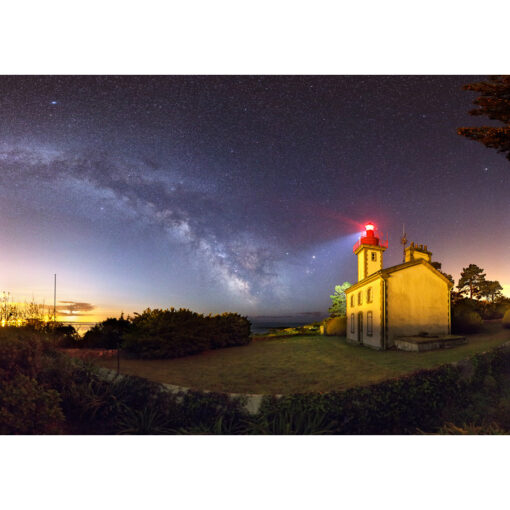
{"points": [[240, 193]]}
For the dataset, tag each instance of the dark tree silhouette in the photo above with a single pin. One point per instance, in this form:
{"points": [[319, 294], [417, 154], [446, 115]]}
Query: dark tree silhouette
{"points": [[493, 102], [471, 280], [438, 265], [491, 290]]}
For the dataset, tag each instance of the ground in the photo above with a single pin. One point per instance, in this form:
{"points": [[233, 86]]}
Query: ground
{"points": [[300, 364]]}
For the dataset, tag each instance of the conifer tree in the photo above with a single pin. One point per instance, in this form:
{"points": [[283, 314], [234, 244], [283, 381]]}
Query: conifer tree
{"points": [[471, 280], [493, 102], [491, 290], [438, 265]]}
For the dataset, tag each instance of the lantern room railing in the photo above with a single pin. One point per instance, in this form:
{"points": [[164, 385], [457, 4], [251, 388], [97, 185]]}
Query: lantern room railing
{"points": [[370, 241]]}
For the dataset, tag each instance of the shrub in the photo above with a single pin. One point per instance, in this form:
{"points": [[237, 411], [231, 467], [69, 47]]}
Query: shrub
{"points": [[466, 321], [502, 308], [56, 332], [107, 334], [148, 420], [212, 413], [336, 326], [26, 407], [174, 333], [293, 420], [21, 351], [397, 406], [62, 336], [506, 319], [228, 329], [471, 429]]}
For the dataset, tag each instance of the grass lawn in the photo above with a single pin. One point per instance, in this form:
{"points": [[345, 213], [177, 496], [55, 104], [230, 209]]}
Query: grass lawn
{"points": [[300, 364]]}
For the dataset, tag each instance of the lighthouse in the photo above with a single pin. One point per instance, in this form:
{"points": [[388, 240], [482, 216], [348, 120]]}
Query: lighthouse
{"points": [[389, 304], [369, 249]]}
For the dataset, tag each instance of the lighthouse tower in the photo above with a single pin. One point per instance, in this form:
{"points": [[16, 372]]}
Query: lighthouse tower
{"points": [[369, 250]]}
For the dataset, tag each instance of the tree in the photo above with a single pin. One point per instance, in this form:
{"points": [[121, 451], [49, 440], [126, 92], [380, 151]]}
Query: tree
{"points": [[339, 305], [107, 334], [491, 290], [494, 102], [437, 265], [471, 280]]}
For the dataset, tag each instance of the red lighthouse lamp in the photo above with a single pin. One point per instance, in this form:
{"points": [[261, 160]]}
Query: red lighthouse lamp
{"points": [[369, 238]]}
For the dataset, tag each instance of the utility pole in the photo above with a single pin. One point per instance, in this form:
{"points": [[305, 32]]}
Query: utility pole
{"points": [[54, 297]]}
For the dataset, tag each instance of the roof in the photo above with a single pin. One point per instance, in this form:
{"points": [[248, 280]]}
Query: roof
{"points": [[385, 273]]}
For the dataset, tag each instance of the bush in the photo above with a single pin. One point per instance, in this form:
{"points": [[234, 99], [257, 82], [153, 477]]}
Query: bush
{"points": [[174, 333], [502, 308], [398, 406], [466, 321], [470, 429], [108, 334], [336, 326], [228, 329], [56, 332], [506, 319], [62, 336], [26, 407]]}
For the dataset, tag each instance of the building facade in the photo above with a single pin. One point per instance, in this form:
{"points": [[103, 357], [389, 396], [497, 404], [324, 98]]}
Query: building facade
{"points": [[411, 298]]}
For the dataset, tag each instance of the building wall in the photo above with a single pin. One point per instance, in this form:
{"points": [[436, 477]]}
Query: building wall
{"points": [[362, 258], [367, 266], [375, 306], [416, 253], [417, 301]]}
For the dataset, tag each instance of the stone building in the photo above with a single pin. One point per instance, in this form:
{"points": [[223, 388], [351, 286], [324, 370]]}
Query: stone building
{"points": [[409, 299]]}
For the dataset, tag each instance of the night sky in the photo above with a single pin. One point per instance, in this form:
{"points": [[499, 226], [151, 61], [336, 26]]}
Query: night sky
{"points": [[236, 193]]}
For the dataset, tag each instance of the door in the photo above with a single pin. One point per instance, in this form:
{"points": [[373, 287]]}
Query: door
{"points": [[360, 327]]}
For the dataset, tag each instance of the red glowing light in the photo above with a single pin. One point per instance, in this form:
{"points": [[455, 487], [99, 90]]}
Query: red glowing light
{"points": [[369, 226]]}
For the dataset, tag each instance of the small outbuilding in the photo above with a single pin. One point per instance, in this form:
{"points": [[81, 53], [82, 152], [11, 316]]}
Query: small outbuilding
{"points": [[407, 300]]}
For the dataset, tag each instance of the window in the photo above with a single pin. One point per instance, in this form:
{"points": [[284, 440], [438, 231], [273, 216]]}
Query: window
{"points": [[352, 299], [352, 323], [374, 256], [360, 298], [369, 295], [370, 328]]}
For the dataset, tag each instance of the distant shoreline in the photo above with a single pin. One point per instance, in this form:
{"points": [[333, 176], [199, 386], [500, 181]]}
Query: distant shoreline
{"points": [[258, 327]]}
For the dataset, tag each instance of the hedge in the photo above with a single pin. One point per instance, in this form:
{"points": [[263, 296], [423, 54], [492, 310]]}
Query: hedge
{"points": [[336, 326], [506, 319], [424, 400], [174, 333], [466, 321]]}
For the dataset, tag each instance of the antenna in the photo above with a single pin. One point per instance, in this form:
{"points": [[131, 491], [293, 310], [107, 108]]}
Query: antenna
{"points": [[54, 297], [403, 242]]}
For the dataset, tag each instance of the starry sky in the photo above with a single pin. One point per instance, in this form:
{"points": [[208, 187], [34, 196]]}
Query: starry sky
{"points": [[236, 193]]}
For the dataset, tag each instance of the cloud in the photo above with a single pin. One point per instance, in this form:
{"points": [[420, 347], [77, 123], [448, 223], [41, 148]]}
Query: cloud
{"points": [[75, 308]]}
